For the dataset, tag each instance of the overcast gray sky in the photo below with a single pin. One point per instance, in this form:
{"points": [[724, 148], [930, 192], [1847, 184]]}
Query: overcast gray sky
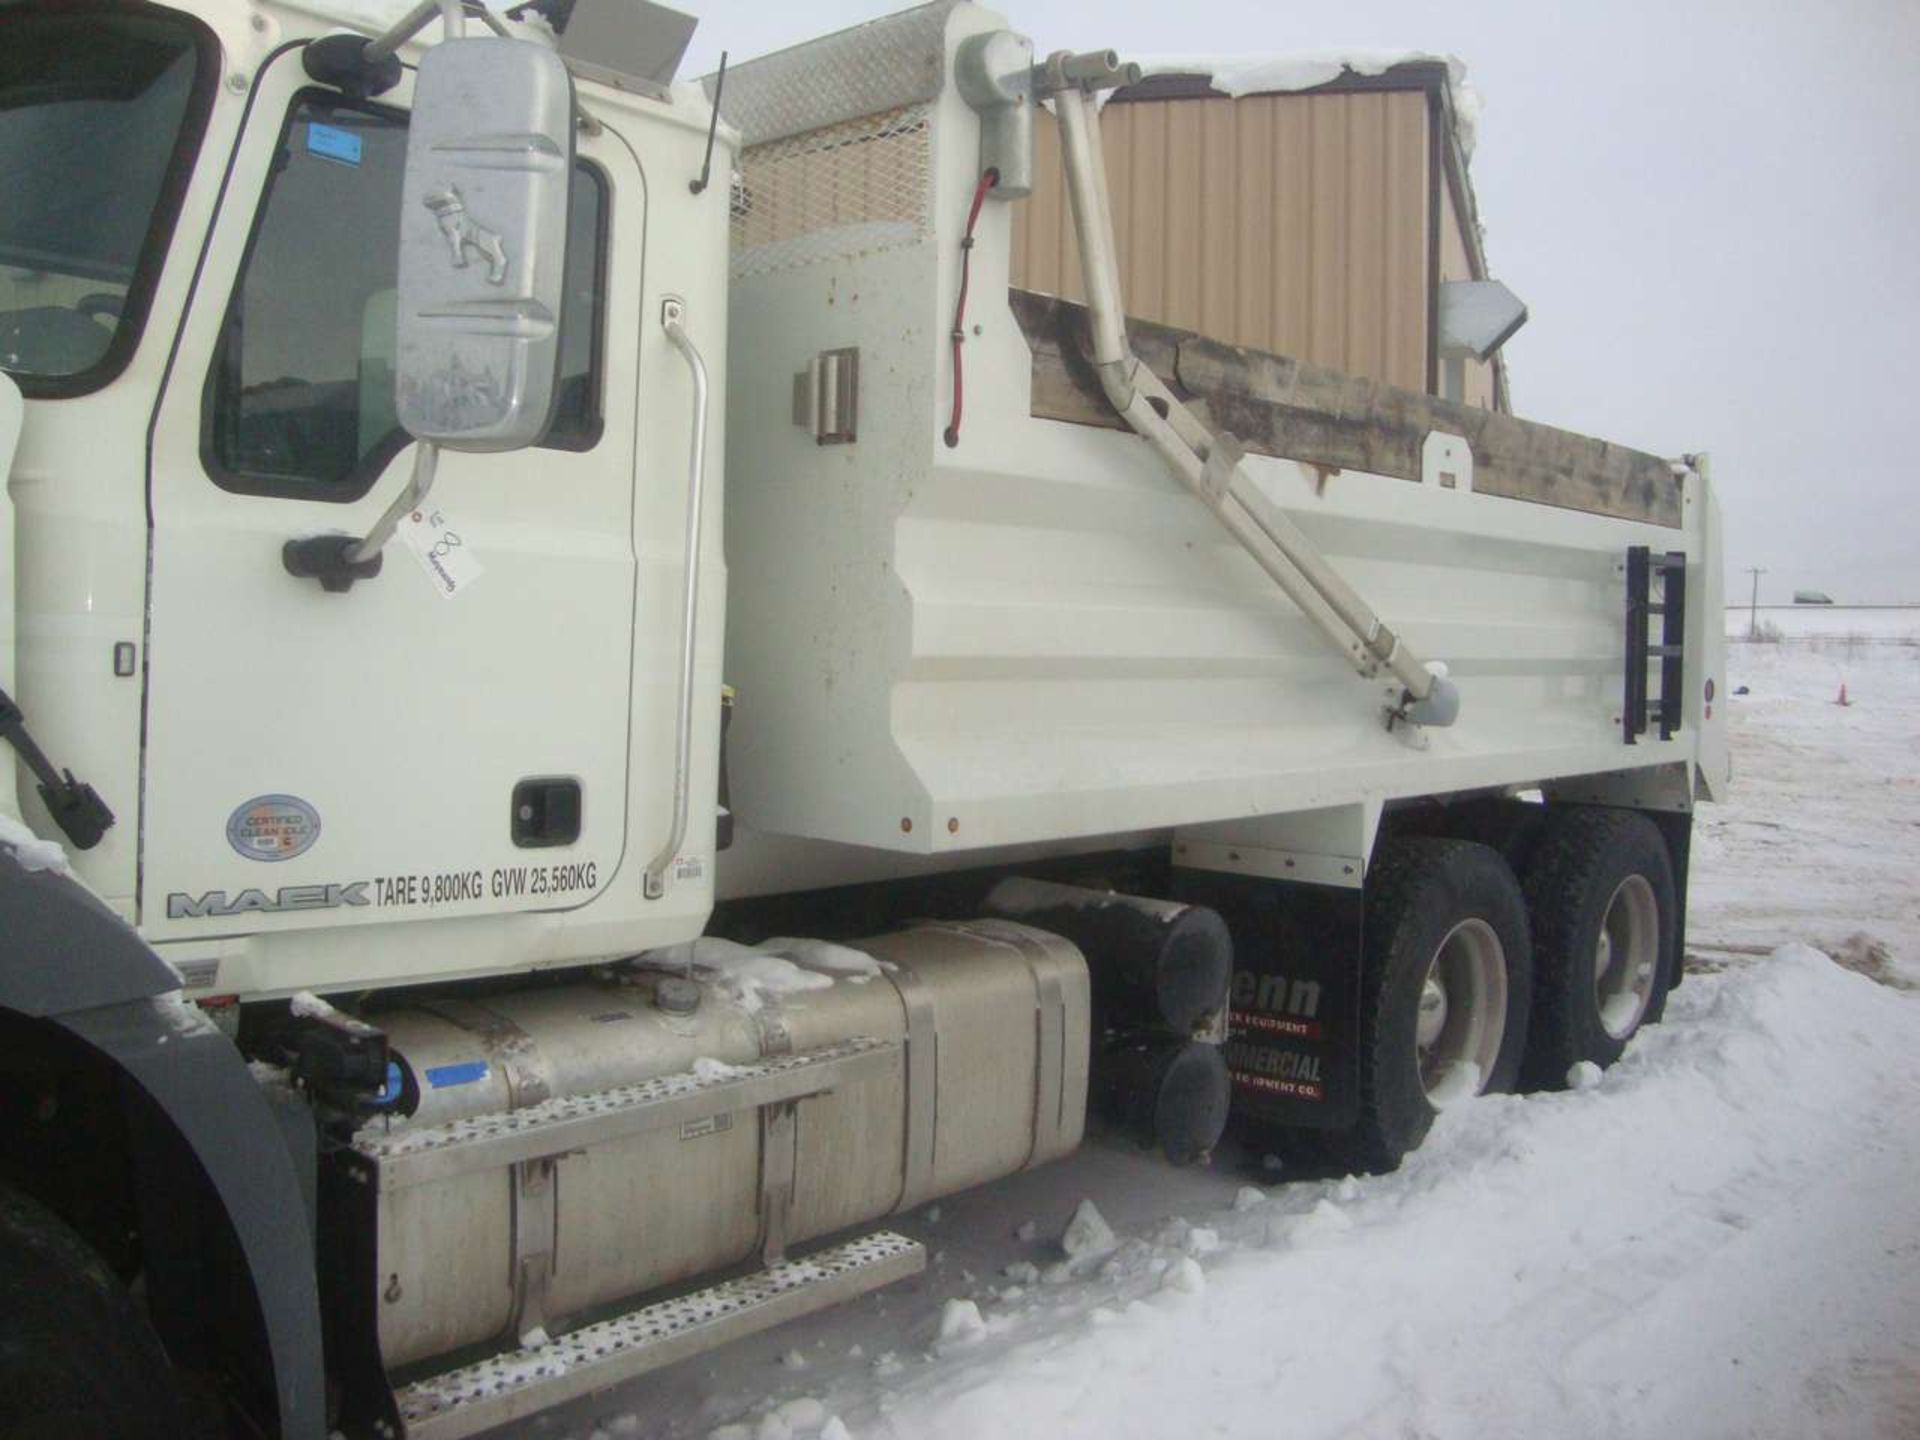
{"points": [[1711, 209]]}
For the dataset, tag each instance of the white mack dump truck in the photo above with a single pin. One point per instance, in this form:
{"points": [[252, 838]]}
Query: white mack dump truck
{"points": [[409, 439]]}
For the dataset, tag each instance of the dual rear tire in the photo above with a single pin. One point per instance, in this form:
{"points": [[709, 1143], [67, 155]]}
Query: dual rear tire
{"points": [[1600, 892], [1446, 985], [1475, 980]]}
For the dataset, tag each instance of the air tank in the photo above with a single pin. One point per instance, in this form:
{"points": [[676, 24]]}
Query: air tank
{"points": [[1154, 963]]}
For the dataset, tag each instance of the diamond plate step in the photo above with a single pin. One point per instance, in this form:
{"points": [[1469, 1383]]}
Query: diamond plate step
{"points": [[518, 1383]]}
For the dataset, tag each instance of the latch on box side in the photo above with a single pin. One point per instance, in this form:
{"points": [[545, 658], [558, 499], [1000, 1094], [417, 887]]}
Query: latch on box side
{"points": [[826, 396]]}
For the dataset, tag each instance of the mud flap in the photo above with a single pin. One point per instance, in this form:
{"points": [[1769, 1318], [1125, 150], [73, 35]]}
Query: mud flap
{"points": [[1295, 1007]]}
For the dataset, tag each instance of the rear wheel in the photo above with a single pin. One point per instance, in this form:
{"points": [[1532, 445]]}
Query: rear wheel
{"points": [[1445, 989], [77, 1359], [1600, 893]]}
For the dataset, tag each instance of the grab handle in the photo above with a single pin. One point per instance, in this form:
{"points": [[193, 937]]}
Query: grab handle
{"points": [[672, 318]]}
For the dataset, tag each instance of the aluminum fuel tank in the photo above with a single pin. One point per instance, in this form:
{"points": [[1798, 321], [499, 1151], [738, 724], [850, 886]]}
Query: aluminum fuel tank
{"points": [[971, 1042]]}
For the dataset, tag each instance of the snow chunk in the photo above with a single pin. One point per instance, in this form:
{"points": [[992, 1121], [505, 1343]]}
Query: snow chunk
{"points": [[1133, 1258], [1088, 1237], [961, 1324], [1248, 1197], [30, 850], [1018, 896], [835, 1429], [1202, 1241], [730, 1432], [182, 1016], [803, 1413], [1184, 1277], [794, 1360], [1619, 1011], [824, 955], [750, 975], [1023, 1272], [1028, 1232], [708, 1068], [1320, 1226], [1583, 1075], [309, 1006], [265, 1074], [1459, 1081]]}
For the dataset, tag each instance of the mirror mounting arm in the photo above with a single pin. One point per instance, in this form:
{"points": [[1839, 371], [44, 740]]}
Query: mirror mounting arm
{"points": [[451, 13], [336, 561], [365, 68]]}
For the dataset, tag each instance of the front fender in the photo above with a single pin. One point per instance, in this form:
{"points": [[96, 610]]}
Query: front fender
{"points": [[68, 960]]}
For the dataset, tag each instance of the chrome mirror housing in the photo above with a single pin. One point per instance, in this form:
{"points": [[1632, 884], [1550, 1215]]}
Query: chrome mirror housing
{"points": [[483, 239]]}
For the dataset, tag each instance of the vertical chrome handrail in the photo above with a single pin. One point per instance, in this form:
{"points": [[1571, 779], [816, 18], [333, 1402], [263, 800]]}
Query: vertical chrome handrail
{"points": [[672, 318]]}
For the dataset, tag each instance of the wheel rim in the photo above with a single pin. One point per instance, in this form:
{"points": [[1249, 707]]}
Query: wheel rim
{"points": [[1626, 957], [1462, 1016]]}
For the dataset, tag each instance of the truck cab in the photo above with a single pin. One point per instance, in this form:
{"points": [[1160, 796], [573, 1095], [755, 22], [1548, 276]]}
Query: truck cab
{"points": [[202, 326]]}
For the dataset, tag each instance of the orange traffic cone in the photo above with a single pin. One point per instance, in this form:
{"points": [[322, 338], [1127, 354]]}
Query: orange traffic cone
{"points": [[1843, 695]]}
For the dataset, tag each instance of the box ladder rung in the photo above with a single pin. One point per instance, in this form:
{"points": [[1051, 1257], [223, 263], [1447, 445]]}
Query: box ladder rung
{"points": [[1669, 650]]}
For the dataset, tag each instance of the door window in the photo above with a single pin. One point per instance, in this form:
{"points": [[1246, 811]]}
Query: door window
{"points": [[300, 398]]}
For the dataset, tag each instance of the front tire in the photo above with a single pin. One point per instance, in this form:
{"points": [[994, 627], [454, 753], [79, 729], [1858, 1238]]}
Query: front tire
{"points": [[1600, 892], [77, 1359], [1445, 990]]}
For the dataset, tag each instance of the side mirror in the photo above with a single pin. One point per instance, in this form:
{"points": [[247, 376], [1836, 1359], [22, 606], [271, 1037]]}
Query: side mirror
{"points": [[483, 243]]}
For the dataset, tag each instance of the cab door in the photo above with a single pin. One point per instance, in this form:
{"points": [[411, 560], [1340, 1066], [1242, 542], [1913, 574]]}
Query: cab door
{"points": [[404, 749]]}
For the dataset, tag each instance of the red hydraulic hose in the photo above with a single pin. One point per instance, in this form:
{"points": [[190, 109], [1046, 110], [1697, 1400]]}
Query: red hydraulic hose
{"points": [[988, 179]]}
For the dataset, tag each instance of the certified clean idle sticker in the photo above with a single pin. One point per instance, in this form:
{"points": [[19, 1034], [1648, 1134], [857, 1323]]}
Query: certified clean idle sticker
{"points": [[442, 551], [273, 827]]}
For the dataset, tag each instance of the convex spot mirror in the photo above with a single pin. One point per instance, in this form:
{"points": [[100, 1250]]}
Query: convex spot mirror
{"points": [[483, 243]]}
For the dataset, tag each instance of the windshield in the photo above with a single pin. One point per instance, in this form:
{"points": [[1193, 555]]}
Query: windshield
{"points": [[97, 115]]}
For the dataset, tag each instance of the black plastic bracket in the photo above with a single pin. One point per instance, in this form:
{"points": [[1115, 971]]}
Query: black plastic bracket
{"points": [[342, 1063], [76, 807], [341, 62], [324, 558]]}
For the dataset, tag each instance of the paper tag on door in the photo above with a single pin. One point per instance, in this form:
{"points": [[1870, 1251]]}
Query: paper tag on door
{"points": [[441, 550]]}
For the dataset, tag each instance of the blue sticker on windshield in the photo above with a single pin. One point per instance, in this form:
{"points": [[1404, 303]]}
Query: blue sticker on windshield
{"points": [[330, 142]]}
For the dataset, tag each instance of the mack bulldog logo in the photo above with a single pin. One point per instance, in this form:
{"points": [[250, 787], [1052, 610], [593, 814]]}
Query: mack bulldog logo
{"points": [[464, 233]]}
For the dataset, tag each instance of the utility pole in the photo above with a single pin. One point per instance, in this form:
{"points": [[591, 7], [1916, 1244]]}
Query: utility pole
{"points": [[1753, 607]]}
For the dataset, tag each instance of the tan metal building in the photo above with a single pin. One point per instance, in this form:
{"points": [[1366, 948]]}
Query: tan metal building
{"points": [[1317, 224]]}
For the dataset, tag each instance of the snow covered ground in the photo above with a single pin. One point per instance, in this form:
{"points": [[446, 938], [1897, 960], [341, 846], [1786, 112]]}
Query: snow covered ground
{"points": [[1855, 624], [1719, 1238]]}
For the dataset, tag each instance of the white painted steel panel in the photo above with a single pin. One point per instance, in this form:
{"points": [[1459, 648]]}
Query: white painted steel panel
{"points": [[1039, 634]]}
